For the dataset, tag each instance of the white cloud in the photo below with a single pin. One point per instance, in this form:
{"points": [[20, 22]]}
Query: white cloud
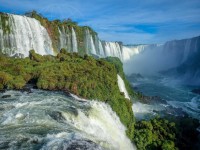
{"points": [[118, 19]]}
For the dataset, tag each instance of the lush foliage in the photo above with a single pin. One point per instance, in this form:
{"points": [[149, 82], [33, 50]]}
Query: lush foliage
{"points": [[84, 76], [173, 133], [155, 134], [4, 23], [187, 136], [119, 66]]}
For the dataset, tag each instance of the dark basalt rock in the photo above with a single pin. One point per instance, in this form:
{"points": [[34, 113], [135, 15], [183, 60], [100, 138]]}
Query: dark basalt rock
{"points": [[27, 88], [80, 144], [18, 55], [2, 90], [2, 109], [171, 111], [196, 91], [135, 76], [56, 115], [67, 93], [6, 96], [73, 110], [4, 145], [152, 99]]}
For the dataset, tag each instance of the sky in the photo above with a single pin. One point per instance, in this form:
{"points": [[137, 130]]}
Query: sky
{"points": [[129, 21]]}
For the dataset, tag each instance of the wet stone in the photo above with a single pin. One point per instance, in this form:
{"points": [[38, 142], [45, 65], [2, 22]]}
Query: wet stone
{"points": [[6, 96]]}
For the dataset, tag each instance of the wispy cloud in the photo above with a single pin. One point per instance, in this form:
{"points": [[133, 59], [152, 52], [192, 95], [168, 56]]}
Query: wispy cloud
{"points": [[130, 21]]}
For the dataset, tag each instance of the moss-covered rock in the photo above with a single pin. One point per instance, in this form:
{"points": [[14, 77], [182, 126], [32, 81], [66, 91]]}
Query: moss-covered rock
{"points": [[119, 66], [4, 25]]}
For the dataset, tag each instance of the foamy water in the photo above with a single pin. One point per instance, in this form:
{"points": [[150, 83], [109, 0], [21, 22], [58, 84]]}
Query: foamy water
{"points": [[50, 120]]}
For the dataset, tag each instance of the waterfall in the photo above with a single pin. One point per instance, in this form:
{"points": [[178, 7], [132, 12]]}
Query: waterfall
{"points": [[129, 52], [96, 44], [138, 48], [69, 39], [101, 50], [74, 41], [122, 87], [113, 49], [186, 50], [26, 34], [63, 38], [90, 47], [19, 34], [51, 120], [159, 57], [93, 50], [102, 120]]}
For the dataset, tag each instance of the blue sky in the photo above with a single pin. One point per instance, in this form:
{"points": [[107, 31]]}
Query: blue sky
{"points": [[129, 21]]}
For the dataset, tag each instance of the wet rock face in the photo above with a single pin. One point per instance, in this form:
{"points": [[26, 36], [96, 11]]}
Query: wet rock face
{"points": [[80, 145], [56, 116], [2, 90], [152, 100], [6, 96]]}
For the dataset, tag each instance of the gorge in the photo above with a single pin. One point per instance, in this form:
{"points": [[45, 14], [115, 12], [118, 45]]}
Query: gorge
{"points": [[77, 79]]}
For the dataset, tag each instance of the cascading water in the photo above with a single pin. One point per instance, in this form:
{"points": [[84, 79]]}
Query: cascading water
{"points": [[113, 49], [63, 38], [25, 34], [129, 52], [69, 41], [101, 51], [50, 120], [186, 50], [122, 87], [155, 58], [89, 44], [74, 41]]}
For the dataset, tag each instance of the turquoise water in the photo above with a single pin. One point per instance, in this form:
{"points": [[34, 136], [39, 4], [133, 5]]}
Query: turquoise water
{"points": [[172, 91]]}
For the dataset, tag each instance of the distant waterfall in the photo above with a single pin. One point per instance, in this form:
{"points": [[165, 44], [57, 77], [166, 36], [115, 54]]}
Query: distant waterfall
{"points": [[159, 57], [113, 49], [129, 52], [74, 41], [26, 34], [101, 50], [89, 44], [63, 38], [20, 34], [122, 87]]}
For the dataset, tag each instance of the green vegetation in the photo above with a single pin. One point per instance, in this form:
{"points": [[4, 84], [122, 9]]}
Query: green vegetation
{"points": [[119, 66], [155, 134], [4, 24], [84, 76], [187, 136], [171, 133]]}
